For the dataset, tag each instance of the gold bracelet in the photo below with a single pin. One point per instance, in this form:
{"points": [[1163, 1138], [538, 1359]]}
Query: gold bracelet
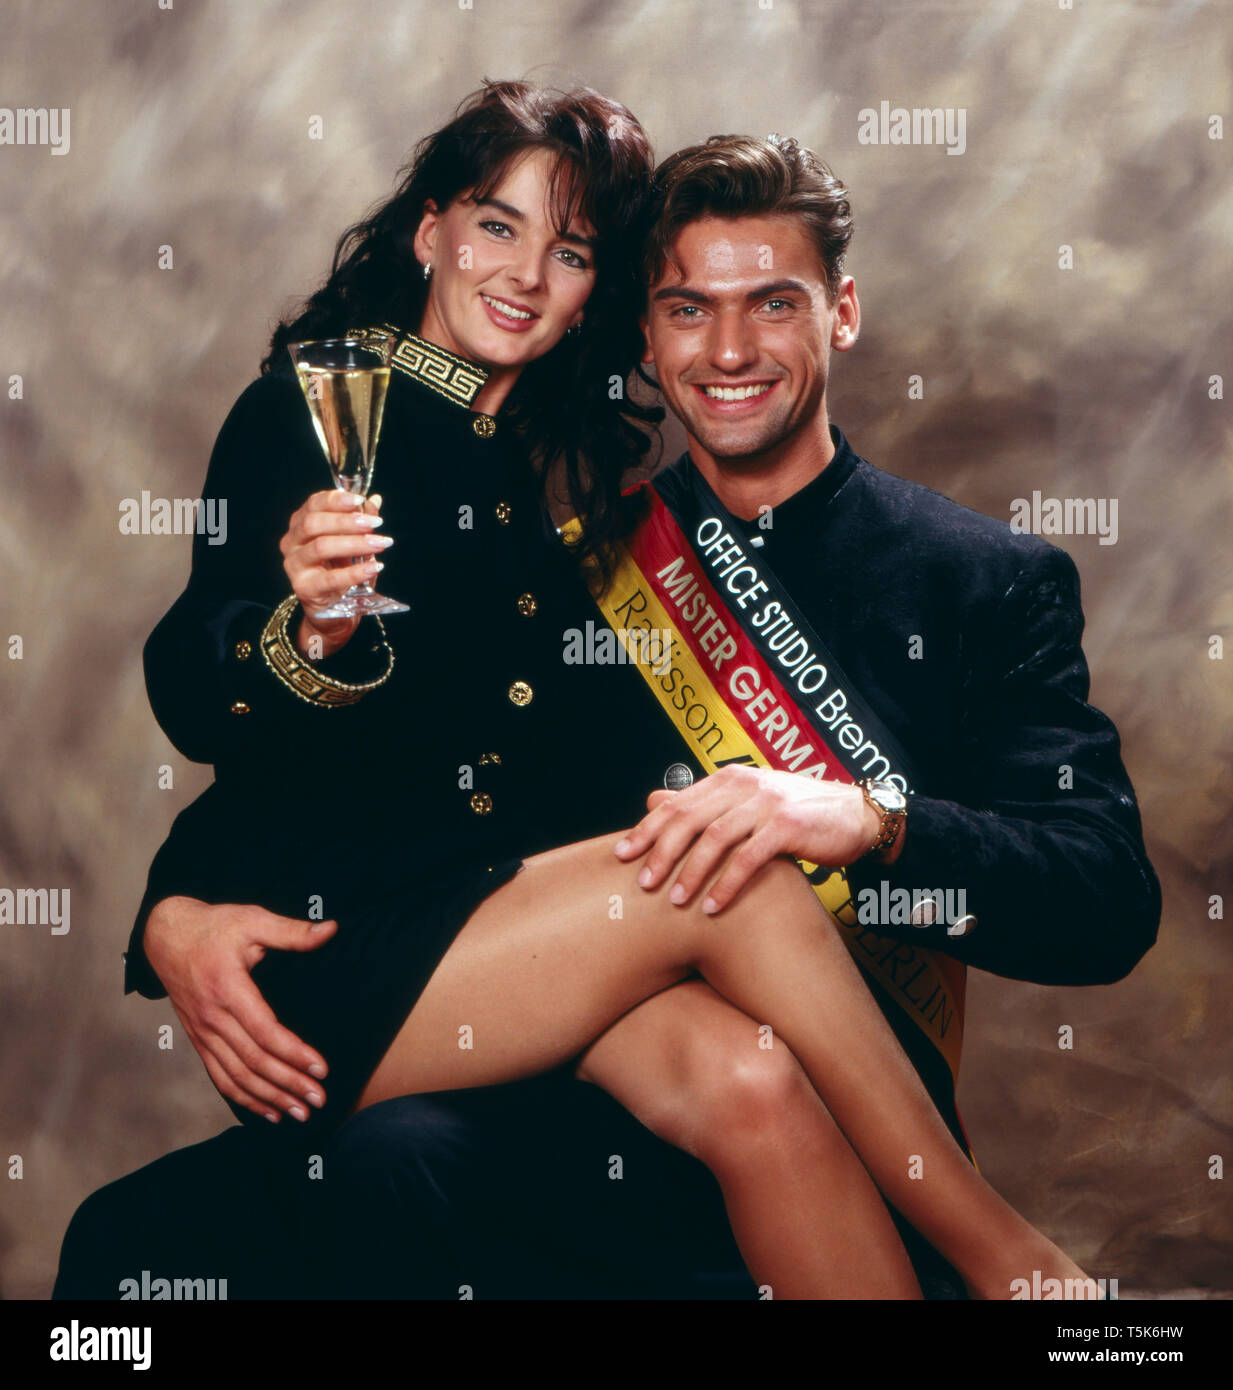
{"points": [[299, 676]]}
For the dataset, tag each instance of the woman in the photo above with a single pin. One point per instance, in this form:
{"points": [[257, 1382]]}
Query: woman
{"points": [[461, 956]]}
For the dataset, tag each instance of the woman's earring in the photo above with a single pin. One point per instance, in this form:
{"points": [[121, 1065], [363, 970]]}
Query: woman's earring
{"points": [[573, 330], [427, 269]]}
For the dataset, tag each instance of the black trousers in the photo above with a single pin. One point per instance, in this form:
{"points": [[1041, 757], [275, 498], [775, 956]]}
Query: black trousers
{"points": [[540, 1189]]}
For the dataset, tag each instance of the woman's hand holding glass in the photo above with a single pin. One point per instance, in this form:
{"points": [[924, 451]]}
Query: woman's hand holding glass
{"points": [[329, 546]]}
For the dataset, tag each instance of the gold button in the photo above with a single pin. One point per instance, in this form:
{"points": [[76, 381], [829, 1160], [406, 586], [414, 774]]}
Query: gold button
{"points": [[520, 693], [481, 803], [527, 605], [503, 511], [243, 650], [486, 758], [239, 707], [484, 425]]}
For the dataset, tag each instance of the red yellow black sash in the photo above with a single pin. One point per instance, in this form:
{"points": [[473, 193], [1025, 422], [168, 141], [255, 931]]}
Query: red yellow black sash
{"points": [[750, 681]]}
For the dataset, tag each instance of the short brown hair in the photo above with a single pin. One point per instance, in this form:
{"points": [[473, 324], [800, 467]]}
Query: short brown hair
{"points": [[740, 176]]}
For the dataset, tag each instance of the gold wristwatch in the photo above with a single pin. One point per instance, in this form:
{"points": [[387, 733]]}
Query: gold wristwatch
{"points": [[891, 804]]}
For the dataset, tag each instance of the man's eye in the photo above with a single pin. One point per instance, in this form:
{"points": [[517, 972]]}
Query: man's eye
{"points": [[777, 304], [685, 311], [496, 228]]}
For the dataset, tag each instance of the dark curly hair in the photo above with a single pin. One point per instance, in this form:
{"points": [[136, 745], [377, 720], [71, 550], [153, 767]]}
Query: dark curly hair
{"points": [[740, 176], [562, 405]]}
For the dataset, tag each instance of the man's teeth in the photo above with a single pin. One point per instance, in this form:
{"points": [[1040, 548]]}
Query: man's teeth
{"points": [[737, 393], [507, 309]]}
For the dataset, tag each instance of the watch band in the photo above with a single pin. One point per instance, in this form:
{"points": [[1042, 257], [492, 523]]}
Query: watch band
{"points": [[891, 821]]}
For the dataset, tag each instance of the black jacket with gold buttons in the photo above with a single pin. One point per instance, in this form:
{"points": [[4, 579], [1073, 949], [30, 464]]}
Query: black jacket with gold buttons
{"points": [[483, 743]]}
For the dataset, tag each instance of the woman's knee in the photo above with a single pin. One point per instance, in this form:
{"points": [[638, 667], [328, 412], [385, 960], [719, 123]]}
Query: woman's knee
{"points": [[745, 1097], [783, 882]]}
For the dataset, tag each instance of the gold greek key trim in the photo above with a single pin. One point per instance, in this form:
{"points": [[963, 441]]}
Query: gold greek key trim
{"points": [[441, 371], [299, 675], [374, 337]]}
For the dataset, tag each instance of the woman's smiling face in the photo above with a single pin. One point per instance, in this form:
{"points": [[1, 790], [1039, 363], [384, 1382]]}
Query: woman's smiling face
{"points": [[506, 285]]}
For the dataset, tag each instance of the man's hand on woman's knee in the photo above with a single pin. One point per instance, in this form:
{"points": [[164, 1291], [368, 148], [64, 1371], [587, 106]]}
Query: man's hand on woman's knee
{"points": [[204, 954]]}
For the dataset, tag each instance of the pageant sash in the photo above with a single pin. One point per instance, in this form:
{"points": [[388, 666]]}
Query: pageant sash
{"points": [[745, 679]]}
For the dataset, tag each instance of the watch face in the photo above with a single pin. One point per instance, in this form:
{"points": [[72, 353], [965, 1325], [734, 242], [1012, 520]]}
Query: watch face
{"points": [[888, 796]]}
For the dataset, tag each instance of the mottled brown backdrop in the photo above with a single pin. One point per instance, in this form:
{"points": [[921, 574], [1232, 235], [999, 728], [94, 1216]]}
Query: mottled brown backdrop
{"points": [[190, 128]]}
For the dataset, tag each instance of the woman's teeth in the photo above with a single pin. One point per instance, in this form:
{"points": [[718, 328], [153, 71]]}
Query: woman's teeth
{"points": [[507, 309]]}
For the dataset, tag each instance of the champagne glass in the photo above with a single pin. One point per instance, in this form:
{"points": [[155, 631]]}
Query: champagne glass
{"points": [[344, 381]]}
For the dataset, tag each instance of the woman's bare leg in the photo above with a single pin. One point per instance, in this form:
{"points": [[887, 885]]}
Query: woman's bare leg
{"points": [[556, 955], [808, 1218]]}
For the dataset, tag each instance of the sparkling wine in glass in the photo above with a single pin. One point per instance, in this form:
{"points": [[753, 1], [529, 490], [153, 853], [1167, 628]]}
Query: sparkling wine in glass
{"points": [[344, 381]]}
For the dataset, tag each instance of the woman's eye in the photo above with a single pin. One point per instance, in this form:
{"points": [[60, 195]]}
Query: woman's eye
{"points": [[576, 261], [496, 228]]}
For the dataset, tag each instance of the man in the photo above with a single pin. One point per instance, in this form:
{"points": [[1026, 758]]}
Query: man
{"points": [[936, 650]]}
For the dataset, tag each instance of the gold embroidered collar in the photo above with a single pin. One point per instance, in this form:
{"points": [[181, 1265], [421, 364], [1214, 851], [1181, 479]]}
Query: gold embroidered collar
{"points": [[441, 371]]}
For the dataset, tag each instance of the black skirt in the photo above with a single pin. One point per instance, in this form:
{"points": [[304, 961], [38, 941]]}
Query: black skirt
{"points": [[349, 998]]}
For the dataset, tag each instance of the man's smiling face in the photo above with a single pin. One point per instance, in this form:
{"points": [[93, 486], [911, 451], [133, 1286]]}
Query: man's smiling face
{"points": [[740, 332]]}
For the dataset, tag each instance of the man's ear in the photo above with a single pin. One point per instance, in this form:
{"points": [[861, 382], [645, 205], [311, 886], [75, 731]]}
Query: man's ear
{"points": [[425, 241], [847, 325]]}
